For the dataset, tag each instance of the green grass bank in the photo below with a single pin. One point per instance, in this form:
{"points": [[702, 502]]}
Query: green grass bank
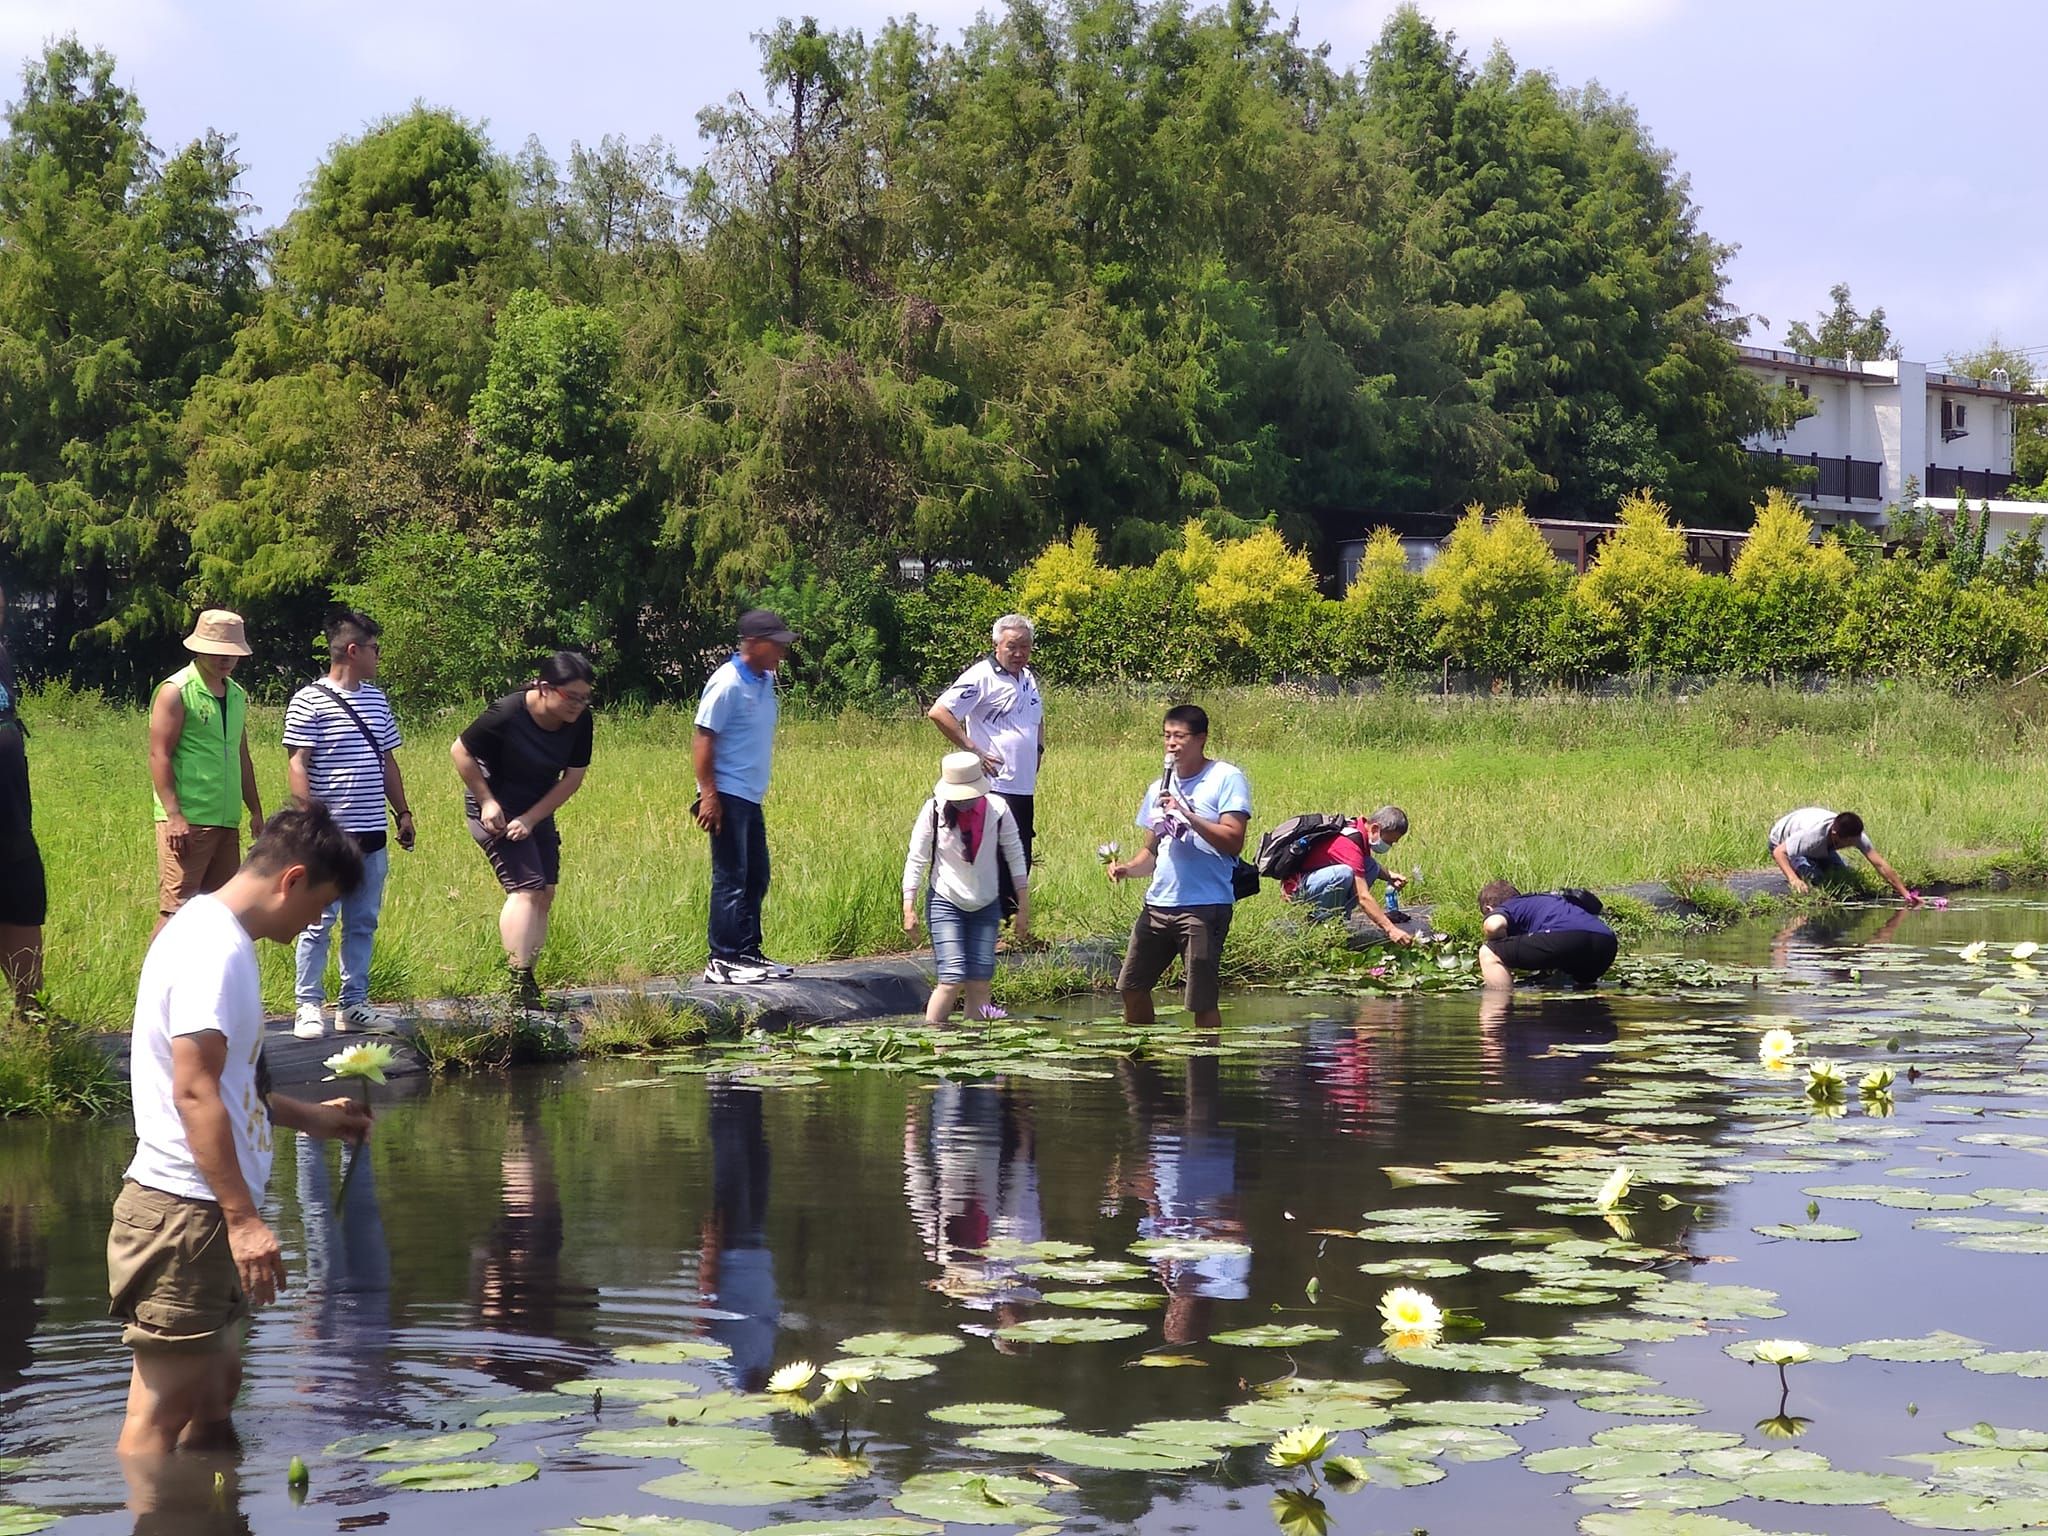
{"points": [[1542, 791]]}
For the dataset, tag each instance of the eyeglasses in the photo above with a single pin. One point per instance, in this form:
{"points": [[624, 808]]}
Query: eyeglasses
{"points": [[583, 700]]}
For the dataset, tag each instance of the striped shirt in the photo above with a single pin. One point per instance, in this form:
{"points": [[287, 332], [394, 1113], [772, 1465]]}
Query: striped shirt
{"points": [[342, 772]]}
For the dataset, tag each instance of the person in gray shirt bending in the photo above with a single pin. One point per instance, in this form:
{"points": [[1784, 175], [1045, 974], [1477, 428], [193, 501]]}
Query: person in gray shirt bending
{"points": [[1806, 845]]}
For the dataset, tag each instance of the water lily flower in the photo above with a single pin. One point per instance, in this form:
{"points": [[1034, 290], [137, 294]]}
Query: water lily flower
{"points": [[1823, 1080], [1782, 1351], [2025, 951], [1837, 1107], [793, 1377], [1878, 1080], [1784, 1426], [1613, 1189], [991, 1012], [361, 1061], [1377, 973], [850, 1373], [1777, 1046], [1300, 1446], [1410, 1338], [1107, 852], [2024, 971], [1974, 951], [1878, 1104], [1404, 1309]]}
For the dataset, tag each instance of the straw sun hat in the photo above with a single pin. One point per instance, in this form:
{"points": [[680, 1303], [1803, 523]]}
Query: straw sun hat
{"points": [[960, 777], [218, 633]]}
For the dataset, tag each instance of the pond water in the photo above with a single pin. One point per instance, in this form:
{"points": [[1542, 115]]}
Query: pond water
{"points": [[511, 1239]]}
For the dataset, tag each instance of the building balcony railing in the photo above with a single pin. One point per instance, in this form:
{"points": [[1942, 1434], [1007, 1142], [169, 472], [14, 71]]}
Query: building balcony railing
{"points": [[1984, 484], [1834, 479]]}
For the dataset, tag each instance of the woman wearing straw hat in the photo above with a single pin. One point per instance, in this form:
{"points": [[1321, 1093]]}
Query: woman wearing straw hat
{"points": [[959, 835], [200, 766]]}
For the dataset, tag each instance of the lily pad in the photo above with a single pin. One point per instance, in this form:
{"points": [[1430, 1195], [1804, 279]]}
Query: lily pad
{"points": [[448, 1447], [1189, 1250], [1275, 1335], [1817, 1487], [1659, 1492], [1453, 1441], [21, 1520], [1683, 1438], [1988, 1434], [1938, 1345], [1069, 1330], [1968, 1512], [987, 1415], [629, 1389], [905, 1345], [754, 1474], [1587, 1379], [852, 1525], [884, 1367], [642, 1525], [2010, 1362], [1647, 1405], [1046, 1248], [1475, 1414], [1085, 1271], [1663, 1522], [974, 1498], [1108, 1301], [1399, 1471], [674, 1352], [669, 1440], [1416, 1269], [1808, 1232], [459, 1476]]}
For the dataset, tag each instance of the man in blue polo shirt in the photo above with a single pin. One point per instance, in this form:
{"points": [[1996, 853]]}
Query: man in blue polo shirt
{"points": [[732, 753]]}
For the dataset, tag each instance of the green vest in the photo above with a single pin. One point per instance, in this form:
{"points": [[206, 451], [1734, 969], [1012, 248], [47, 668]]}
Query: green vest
{"points": [[206, 764]]}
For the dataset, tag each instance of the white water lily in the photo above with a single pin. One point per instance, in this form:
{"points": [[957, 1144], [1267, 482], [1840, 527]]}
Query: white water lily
{"points": [[1299, 1446], [1613, 1189], [1975, 950], [361, 1061], [1782, 1351], [793, 1377], [850, 1373], [2025, 951], [1823, 1080], [1877, 1080], [1407, 1310], [1777, 1046]]}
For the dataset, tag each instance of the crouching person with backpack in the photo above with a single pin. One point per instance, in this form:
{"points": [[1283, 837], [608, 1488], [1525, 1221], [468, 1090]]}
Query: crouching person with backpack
{"points": [[1549, 931], [1330, 863]]}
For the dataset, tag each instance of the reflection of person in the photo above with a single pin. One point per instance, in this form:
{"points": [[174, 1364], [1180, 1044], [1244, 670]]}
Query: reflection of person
{"points": [[1542, 932], [23, 894], [994, 710], [346, 1307], [189, 1253], [185, 1496], [24, 1272], [735, 1268], [342, 745], [1194, 818], [733, 754], [1189, 1187], [516, 1274], [1338, 873], [1519, 1039], [200, 767], [1807, 845], [971, 1178], [519, 761], [963, 834]]}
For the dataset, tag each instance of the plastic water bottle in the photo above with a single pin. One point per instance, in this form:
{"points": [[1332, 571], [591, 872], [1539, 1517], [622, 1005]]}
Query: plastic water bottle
{"points": [[1393, 901]]}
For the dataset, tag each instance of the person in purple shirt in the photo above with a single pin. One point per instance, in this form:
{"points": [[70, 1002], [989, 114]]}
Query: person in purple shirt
{"points": [[1543, 932]]}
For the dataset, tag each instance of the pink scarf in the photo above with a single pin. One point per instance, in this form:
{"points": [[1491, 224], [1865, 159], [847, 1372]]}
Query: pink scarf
{"points": [[973, 819]]}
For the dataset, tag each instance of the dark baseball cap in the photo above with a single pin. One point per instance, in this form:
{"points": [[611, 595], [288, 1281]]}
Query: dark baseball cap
{"points": [[765, 624]]}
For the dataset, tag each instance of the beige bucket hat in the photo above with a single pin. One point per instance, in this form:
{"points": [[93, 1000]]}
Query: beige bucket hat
{"points": [[218, 632], [960, 777]]}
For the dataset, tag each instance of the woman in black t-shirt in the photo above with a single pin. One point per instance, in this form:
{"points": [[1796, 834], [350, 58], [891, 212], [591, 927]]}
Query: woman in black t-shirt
{"points": [[519, 760]]}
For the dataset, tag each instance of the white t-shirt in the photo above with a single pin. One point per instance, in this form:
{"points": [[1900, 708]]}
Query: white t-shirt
{"points": [[1803, 834], [1002, 715], [200, 975]]}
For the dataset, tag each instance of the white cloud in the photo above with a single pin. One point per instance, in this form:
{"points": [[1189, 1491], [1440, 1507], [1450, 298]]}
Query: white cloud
{"points": [[129, 29]]}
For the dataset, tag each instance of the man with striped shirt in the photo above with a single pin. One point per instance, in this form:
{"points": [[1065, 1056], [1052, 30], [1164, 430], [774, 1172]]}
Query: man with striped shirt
{"points": [[342, 743]]}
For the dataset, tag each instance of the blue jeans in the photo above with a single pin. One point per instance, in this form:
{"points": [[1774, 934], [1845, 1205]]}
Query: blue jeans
{"points": [[1329, 892], [963, 939], [358, 918], [739, 879], [1826, 866]]}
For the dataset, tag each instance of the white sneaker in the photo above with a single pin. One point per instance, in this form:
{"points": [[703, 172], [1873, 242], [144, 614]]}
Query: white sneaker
{"points": [[725, 973], [311, 1022], [362, 1019]]}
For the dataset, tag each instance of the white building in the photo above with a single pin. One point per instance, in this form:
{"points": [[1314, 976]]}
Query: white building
{"points": [[1879, 424]]}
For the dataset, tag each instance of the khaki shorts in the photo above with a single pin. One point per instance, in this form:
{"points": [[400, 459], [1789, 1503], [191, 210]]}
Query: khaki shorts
{"points": [[171, 1274], [1194, 935], [211, 857]]}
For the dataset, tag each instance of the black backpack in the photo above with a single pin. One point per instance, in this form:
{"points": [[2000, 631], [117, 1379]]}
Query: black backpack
{"points": [[1583, 899], [1282, 850]]}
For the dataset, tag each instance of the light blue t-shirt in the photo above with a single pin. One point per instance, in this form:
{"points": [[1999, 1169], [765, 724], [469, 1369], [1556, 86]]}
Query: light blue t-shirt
{"points": [[1192, 873], [739, 708]]}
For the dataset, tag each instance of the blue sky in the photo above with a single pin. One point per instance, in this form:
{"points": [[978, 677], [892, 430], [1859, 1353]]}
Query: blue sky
{"points": [[1866, 141]]}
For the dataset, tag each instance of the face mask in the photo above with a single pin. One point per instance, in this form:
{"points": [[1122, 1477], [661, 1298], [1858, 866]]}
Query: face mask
{"points": [[1380, 849]]}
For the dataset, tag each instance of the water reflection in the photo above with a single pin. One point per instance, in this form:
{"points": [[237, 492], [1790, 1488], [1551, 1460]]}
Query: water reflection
{"points": [[735, 1268], [970, 1177], [1186, 1179], [185, 1494], [24, 1271], [347, 1303], [517, 1281]]}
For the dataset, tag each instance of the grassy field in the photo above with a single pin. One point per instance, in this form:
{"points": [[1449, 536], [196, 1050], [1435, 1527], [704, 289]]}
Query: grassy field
{"points": [[1541, 791]]}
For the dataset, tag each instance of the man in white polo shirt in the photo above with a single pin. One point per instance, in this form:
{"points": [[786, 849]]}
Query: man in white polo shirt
{"points": [[343, 752], [994, 710]]}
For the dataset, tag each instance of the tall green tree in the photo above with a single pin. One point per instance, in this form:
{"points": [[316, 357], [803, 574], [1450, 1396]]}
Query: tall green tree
{"points": [[1841, 331]]}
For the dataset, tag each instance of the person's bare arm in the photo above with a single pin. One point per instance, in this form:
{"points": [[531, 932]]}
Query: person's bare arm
{"points": [[1891, 877], [330, 1119], [1142, 866], [252, 797], [523, 824], [298, 774], [401, 807], [1225, 834], [197, 1061], [1369, 905], [471, 772], [704, 763], [1783, 860], [1495, 926], [166, 725]]}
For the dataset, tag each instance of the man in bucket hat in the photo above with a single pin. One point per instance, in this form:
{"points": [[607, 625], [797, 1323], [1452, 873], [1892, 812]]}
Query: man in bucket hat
{"points": [[200, 766], [732, 754]]}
